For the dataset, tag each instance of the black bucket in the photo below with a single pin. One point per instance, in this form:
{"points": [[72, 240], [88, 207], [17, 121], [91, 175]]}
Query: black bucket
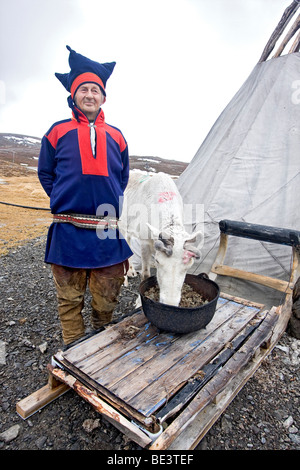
{"points": [[182, 319]]}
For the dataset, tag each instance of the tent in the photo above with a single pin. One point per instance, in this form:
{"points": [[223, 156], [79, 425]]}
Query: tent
{"points": [[248, 167]]}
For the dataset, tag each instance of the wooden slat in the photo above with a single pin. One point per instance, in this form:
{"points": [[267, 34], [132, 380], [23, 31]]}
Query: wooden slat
{"points": [[132, 368], [217, 383], [103, 392], [132, 360], [144, 374], [122, 346], [192, 434], [40, 398], [154, 395], [131, 363], [186, 393], [242, 301], [96, 343], [108, 394], [223, 270], [128, 428], [103, 350]]}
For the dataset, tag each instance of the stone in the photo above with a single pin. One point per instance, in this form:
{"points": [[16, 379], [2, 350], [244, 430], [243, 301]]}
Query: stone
{"points": [[43, 347], [10, 434], [90, 424], [295, 438], [40, 442], [288, 422]]}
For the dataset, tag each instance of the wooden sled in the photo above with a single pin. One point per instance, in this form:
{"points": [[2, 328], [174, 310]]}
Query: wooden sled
{"points": [[165, 391]]}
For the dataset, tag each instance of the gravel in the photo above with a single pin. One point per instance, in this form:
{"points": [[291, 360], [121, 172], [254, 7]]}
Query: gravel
{"points": [[265, 414]]}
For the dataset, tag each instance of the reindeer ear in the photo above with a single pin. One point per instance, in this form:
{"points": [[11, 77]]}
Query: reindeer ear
{"points": [[193, 237], [191, 251], [154, 231]]}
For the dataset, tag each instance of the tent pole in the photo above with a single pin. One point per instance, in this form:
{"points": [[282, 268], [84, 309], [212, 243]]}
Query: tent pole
{"points": [[296, 44], [288, 37], [287, 15]]}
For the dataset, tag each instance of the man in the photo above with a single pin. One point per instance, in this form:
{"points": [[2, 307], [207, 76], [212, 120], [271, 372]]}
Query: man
{"points": [[83, 166]]}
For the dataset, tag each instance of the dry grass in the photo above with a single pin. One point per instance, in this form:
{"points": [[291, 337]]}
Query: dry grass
{"points": [[19, 225]]}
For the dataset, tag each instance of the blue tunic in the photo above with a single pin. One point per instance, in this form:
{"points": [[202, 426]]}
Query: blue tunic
{"points": [[81, 181]]}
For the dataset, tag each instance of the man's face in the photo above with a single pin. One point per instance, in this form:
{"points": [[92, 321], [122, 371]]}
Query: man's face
{"points": [[88, 98]]}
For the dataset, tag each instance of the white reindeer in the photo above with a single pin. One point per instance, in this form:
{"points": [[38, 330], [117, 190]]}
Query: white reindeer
{"points": [[156, 199]]}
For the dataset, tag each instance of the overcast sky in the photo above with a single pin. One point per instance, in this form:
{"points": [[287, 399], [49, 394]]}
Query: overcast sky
{"points": [[179, 63]]}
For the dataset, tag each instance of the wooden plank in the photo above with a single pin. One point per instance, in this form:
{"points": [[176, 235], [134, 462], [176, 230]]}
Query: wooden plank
{"points": [[97, 358], [217, 383], [196, 430], [242, 301], [134, 359], [151, 397], [121, 346], [103, 392], [111, 414], [220, 257], [40, 398], [226, 309], [175, 404], [192, 434], [108, 394], [105, 350], [145, 373], [96, 343], [223, 270]]}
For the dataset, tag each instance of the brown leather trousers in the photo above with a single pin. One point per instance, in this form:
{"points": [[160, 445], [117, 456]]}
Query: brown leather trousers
{"points": [[71, 284]]}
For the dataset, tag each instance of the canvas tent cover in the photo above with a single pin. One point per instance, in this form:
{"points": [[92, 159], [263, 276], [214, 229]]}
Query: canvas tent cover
{"points": [[247, 169]]}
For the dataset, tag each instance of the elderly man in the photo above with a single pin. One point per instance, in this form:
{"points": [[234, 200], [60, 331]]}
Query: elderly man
{"points": [[83, 166]]}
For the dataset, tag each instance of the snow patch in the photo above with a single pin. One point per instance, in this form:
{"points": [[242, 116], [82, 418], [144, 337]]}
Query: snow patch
{"points": [[23, 140]]}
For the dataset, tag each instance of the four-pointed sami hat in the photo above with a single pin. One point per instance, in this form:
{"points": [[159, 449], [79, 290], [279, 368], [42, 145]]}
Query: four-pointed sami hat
{"points": [[84, 70]]}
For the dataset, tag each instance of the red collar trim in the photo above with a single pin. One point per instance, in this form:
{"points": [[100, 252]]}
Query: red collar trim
{"points": [[100, 119]]}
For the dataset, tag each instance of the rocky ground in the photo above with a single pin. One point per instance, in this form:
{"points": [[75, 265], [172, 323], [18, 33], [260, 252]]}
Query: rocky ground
{"points": [[264, 416]]}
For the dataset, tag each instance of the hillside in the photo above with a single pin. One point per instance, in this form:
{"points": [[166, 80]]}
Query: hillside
{"points": [[24, 150], [19, 185]]}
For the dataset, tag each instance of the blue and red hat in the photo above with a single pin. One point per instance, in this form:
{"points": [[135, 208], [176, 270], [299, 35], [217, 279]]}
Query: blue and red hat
{"points": [[84, 70]]}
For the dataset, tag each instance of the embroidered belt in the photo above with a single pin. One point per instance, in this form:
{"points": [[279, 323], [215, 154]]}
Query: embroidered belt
{"points": [[87, 221]]}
